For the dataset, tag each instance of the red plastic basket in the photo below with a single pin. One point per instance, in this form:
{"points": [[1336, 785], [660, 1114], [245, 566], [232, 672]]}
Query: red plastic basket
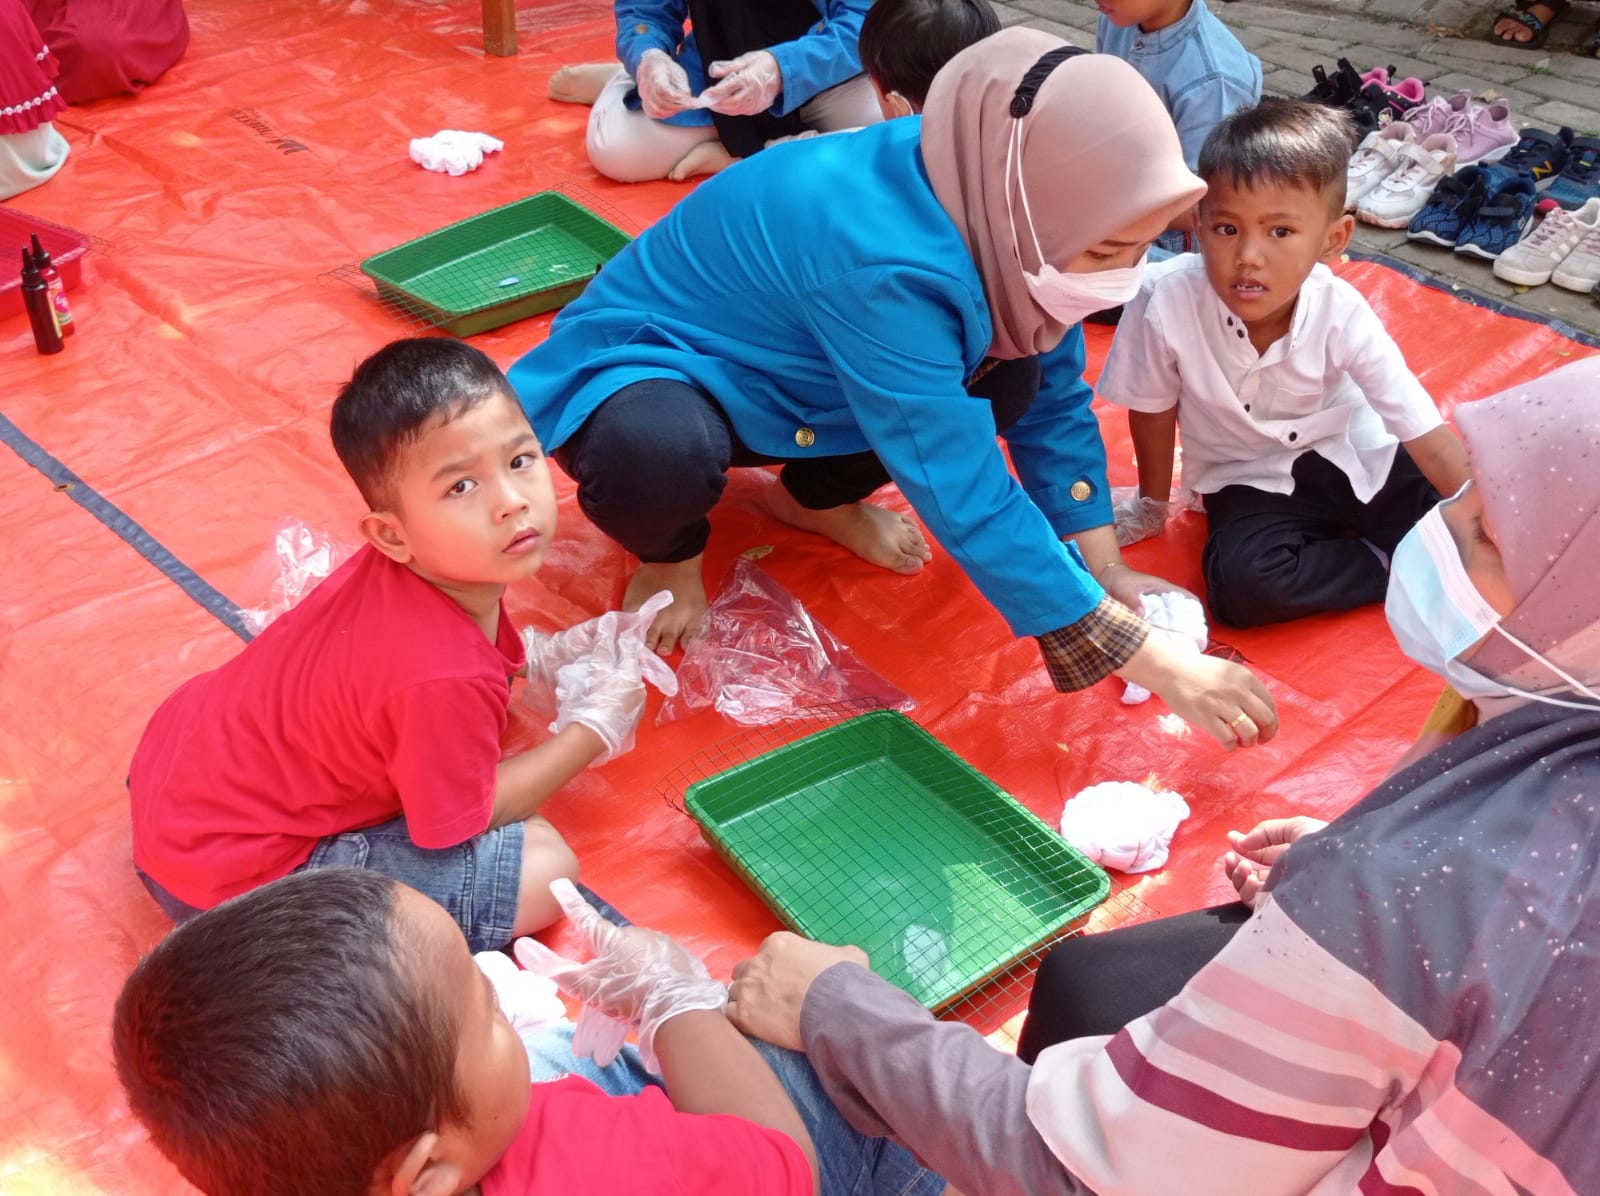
{"points": [[65, 246]]}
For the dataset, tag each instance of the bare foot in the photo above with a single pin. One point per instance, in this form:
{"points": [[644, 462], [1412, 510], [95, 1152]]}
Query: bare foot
{"points": [[1509, 29], [873, 533], [706, 158], [688, 607], [582, 83]]}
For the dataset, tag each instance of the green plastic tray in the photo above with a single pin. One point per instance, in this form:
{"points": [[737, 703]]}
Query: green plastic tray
{"points": [[497, 267], [873, 832]]}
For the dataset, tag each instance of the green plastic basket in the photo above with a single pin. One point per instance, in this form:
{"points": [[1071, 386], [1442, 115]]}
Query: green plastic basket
{"points": [[497, 267], [873, 832]]}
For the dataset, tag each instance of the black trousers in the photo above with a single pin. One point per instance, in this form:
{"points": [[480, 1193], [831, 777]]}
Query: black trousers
{"points": [[1098, 983], [653, 459], [1273, 557]]}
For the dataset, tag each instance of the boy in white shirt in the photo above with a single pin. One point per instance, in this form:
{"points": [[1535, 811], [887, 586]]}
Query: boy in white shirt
{"points": [[1315, 447]]}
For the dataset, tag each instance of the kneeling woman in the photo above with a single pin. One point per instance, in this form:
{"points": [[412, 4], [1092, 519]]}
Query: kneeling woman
{"points": [[872, 307]]}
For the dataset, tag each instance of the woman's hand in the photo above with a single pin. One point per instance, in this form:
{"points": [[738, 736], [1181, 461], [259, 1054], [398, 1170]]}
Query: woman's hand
{"points": [[1125, 584], [769, 989], [1223, 699], [748, 84], [663, 85], [1255, 852]]}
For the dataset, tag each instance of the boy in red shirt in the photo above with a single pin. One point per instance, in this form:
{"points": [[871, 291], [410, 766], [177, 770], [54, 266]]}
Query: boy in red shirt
{"points": [[330, 1033], [363, 727]]}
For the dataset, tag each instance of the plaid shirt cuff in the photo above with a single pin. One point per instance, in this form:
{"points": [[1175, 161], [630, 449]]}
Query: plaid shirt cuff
{"points": [[1094, 647]]}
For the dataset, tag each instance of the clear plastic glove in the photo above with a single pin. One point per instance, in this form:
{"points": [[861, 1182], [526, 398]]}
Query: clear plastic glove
{"points": [[638, 980], [1137, 517], [663, 85], [605, 693], [748, 84], [624, 633]]}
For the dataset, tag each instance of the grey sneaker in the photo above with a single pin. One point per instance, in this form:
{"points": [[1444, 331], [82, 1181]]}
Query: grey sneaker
{"points": [[1537, 256], [1580, 270]]}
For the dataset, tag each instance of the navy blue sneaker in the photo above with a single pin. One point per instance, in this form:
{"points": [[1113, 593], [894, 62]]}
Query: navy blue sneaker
{"points": [[1539, 154], [1579, 180], [1501, 220], [1453, 204]]}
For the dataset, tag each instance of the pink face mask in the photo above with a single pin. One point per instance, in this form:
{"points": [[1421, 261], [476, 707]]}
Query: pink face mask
{"points": [[1066, 298]]}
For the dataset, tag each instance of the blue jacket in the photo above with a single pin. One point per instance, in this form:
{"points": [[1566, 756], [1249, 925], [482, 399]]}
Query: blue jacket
{"points": [[823, 297], [824, 58]]}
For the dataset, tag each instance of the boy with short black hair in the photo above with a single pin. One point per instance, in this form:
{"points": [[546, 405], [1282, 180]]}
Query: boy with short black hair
{"points": [[363, 726], [330, 1033], [904, 43], [1313, 444]]}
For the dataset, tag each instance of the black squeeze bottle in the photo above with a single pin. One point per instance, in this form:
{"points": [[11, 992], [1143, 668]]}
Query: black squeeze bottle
{"points": [[57, 288], [41, 312]]}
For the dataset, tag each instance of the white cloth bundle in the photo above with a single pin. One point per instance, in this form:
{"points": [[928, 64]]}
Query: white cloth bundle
{"points": [[1123, 825], [1178, 617], [452, 151]]}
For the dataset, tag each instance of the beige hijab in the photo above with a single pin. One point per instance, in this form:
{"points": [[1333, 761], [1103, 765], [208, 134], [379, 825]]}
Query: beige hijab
{"points": [[1098, 153], [1535, 452]]}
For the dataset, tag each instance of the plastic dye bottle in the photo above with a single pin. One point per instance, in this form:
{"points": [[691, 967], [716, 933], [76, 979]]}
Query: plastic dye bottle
{"points": [[53, 284], [36, 296]]}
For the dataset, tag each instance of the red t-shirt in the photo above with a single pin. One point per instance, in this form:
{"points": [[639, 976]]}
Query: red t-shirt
{"points": [[579, 1140], [377, 695]]}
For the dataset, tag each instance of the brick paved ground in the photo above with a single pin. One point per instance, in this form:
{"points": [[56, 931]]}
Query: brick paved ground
{"points": [[1440, 41]]}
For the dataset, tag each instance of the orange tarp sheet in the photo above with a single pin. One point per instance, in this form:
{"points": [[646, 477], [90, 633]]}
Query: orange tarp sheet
{"points": [[194, 400]]}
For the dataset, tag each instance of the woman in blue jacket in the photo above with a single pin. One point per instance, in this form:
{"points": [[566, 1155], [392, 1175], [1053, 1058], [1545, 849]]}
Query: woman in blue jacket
{"points": [[871, 308], [688, 101]]}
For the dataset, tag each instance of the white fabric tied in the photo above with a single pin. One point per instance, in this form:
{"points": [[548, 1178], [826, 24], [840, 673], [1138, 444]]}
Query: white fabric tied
{"points": [[453, 151], [1178, 617], [1123, 825]]}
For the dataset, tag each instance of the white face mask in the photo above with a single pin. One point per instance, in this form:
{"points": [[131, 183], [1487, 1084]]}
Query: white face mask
{"points": [[1064, 297], [1436, 614]]}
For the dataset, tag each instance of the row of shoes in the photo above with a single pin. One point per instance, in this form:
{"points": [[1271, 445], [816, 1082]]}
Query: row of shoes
{"points": [[1487, 209]]}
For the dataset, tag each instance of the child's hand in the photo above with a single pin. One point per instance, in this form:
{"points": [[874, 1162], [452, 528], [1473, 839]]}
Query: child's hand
{"points": [[1135, 516], [638, 978], [1254, 854]]}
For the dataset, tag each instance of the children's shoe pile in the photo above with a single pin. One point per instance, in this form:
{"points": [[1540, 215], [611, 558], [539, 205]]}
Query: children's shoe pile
{"points": [[1544, 254]]}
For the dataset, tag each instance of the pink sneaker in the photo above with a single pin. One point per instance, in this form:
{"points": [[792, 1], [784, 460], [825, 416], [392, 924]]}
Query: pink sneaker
{"points": [[1484, 133], [1435, 116]]}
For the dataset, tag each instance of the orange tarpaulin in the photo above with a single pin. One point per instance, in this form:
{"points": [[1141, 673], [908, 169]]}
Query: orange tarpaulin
{"points": [[154, 458]]}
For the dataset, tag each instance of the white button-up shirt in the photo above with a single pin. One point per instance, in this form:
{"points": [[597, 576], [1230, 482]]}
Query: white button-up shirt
{"points": [[1336, 384]]}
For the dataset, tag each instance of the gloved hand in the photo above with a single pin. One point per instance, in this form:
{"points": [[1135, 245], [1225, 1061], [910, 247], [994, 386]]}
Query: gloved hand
{"points": [[548, 652], [663, 85], [749, 84], [1137, 517], [638, 980]]}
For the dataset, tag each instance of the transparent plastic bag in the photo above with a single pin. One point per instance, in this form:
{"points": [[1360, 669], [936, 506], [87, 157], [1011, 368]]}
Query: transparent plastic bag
{"points": [[294, 563], [760, 658]]}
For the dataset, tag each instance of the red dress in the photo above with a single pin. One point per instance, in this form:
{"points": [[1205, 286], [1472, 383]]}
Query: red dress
{"points": [[28, 95], [110, 47]]}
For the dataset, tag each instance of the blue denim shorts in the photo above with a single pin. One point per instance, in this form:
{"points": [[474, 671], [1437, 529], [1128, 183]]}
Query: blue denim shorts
{"points": [[476, 881], [852, 1164]]}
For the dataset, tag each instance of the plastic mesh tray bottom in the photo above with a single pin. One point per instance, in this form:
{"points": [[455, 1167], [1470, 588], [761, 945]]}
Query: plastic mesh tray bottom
{"points": [[502, 265], [873, 832]]}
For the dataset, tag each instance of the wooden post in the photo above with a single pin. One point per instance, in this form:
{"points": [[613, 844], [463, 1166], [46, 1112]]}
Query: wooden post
{"points": [[500, 27]]}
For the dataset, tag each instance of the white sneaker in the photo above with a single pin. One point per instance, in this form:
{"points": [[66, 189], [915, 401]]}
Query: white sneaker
{"points": [[1581, 270], [1405, 191], [1536, 257], [1374, 159]]}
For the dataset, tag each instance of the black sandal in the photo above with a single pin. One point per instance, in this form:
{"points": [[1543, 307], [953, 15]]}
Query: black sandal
{"points": [[1522, 13]]}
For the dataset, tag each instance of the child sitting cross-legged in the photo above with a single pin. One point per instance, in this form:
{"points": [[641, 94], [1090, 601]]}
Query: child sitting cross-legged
{"points": [[1312, 443], [330, 1033], [363, 727]]}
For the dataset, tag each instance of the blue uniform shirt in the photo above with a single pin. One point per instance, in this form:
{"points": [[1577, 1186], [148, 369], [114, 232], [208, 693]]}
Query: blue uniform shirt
{"points": [[823, 58], [823, 297], [1198, 68]]}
